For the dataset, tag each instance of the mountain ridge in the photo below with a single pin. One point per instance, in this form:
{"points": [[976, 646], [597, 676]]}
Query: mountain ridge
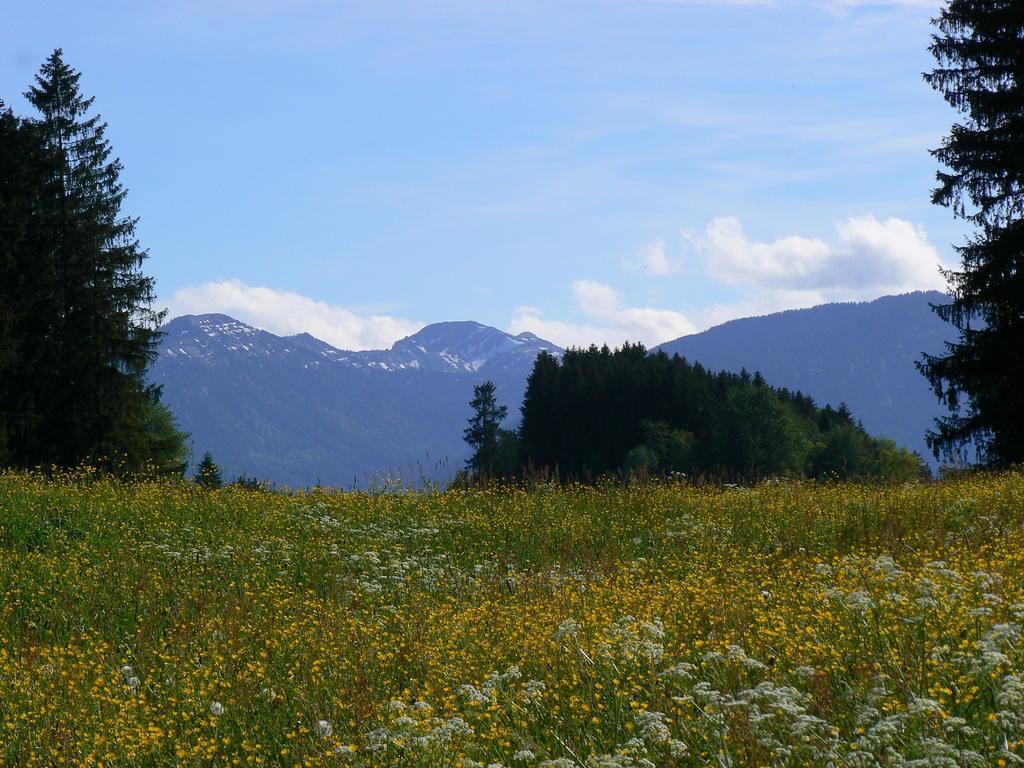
{"points": [[297, 410], [434, 343]]}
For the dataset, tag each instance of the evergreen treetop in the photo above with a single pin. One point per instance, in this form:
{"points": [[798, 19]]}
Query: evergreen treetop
{"points": [[208, 474], [105, 321]]}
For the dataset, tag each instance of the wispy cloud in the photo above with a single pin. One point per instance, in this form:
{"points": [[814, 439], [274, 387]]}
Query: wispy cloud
{"points": [[287, 313], [607, 320], [868, 258], [653, 260]]}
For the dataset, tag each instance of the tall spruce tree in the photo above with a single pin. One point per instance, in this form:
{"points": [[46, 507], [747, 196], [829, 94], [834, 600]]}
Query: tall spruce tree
{"points": [[979, 50], [484, 432], [104, 328]]}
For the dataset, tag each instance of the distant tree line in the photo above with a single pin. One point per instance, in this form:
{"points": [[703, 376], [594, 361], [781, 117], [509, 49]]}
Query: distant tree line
{"points": [[597, 412], [77, 327]]}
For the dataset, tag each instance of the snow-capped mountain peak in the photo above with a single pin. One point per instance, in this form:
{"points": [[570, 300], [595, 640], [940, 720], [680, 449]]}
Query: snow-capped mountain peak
{"points": [[210, 336], [467, 346], [296, 409], [464, 346]]}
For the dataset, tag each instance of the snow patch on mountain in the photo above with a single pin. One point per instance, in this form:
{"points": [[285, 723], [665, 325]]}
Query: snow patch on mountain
{"points": [[465, 346]]}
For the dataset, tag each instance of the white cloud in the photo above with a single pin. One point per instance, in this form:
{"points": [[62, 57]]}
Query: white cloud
{"points": [[734, 259], [867, 259], [653, 260], [561, 332], [755, 305], [287, 313], [870, 258], [608, 320]]}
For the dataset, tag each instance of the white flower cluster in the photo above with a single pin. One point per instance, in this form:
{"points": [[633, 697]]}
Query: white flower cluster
{"points": [[131, 682], [736, 701], [632, 639], [414, 728], [370, 574], [506, 685]]}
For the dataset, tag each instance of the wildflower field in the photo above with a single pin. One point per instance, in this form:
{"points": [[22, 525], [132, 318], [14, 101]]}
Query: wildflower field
{"points": [[156, 624]]}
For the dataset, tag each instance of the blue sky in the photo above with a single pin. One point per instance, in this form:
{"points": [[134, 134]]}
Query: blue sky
{"points": [[590, 171]]}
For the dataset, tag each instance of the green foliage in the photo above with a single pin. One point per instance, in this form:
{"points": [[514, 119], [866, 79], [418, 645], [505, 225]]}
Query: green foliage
{"points": [[493, 448], [208, 474], [26, 285], [758, 434], [673, 448], [77, 328], [507, 459], [251, 483], [894, 464], [158, 440], [639, 462], [843, 452], [979, 52], [599, 412]]}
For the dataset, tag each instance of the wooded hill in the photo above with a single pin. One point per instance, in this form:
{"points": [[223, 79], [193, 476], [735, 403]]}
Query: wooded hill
{"points": [[598, 411]]}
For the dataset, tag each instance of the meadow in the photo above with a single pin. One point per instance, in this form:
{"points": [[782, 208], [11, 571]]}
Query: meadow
{"points": [[158, 624]]}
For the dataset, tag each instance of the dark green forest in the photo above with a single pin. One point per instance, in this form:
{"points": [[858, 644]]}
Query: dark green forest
{"points": [[597, 412]]}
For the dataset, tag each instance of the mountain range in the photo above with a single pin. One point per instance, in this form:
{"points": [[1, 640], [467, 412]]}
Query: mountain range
{"points": [[297, 411]]}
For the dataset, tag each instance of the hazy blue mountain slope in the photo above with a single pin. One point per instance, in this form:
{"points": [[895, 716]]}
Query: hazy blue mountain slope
{"points": [[296, 410], [862, 354]]}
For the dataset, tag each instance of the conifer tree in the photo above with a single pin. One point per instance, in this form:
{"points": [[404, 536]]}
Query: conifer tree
{"points": [[484, 431], [102, 319], [979, 51], [208, 473]]}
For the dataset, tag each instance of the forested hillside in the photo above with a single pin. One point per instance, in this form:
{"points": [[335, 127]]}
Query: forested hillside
{"points": [[862, 354], [598, 411]]}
